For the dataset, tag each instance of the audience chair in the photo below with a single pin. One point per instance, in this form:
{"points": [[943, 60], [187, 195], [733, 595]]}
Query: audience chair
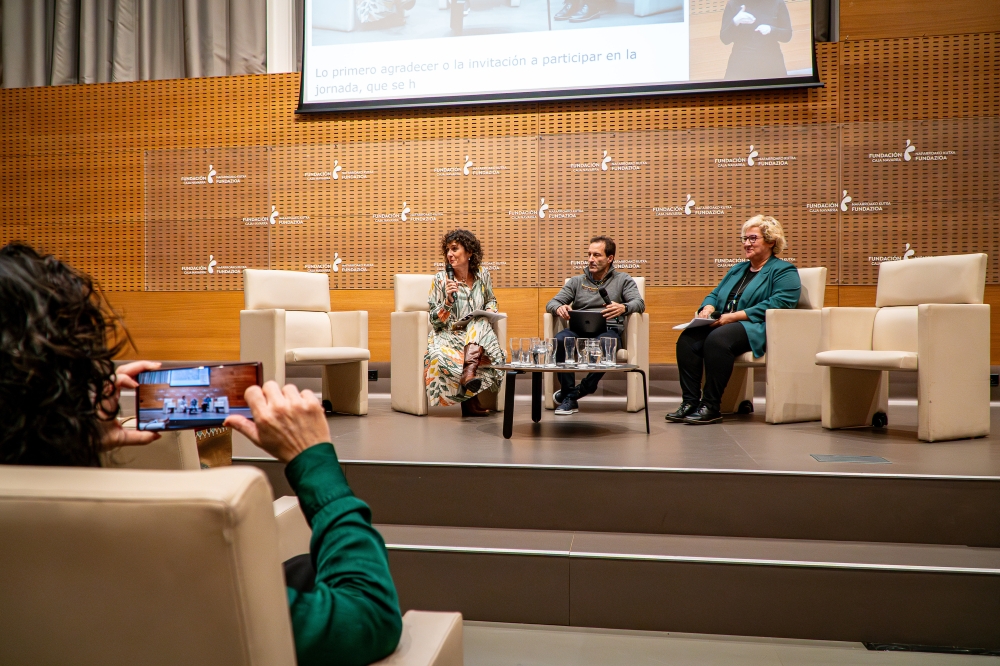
{"points": [[409, 325], [111, 566], [928, 318], [634, 349], [287, 320], [794, 383]]}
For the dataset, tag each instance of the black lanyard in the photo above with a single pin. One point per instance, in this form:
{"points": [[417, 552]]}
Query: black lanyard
{"points": [[734, 295]]}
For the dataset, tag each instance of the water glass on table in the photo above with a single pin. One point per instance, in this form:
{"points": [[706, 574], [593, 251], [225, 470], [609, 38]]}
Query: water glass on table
{"points": [[537, 351], [582, 347], [515, 351], [551, 345], [526, 351], [594, 350], [610, 349], [570, 345]]}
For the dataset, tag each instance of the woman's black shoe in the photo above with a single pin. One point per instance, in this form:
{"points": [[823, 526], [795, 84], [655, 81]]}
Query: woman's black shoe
{"points": [[685, 410], [704, 415]]}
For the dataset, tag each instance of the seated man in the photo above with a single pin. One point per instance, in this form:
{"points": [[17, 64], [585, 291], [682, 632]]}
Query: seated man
{"points": [[583, 293]]}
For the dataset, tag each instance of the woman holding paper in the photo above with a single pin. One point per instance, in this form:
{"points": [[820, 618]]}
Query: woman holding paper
{"points": [[738, 304], [460, 349]]}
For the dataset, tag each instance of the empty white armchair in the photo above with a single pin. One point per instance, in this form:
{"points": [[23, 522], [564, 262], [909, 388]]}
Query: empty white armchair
{"points": [[287, 320], [409, 325], [928, 318], [794, 382], [635, 350]]}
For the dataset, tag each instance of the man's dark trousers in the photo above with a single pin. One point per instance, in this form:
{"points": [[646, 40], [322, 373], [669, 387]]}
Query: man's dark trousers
{"points": [[567, 380]]}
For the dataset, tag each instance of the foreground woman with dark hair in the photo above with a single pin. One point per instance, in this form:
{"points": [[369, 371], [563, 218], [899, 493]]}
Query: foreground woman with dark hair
{"points": [[455, 365], [58, 401]]}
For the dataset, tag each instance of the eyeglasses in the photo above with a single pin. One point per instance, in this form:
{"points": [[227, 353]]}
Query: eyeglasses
{"points": [[752, 238]]}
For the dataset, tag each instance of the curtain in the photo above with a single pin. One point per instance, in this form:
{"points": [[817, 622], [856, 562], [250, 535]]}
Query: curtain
{"points": [[58, 42]]}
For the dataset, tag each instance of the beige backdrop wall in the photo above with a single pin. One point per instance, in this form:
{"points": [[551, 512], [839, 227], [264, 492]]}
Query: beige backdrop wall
{"points": [[114, 178]]}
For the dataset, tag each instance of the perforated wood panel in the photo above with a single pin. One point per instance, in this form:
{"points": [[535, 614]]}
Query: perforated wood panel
{"points": [[109, 176]]}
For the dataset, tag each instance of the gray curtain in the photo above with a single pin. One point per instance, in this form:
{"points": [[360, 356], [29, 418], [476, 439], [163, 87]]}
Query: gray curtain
{"points": [[57, 42]]}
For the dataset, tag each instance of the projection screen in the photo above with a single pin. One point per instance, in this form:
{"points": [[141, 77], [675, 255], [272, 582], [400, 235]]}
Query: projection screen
{"points": [[383, 53]]}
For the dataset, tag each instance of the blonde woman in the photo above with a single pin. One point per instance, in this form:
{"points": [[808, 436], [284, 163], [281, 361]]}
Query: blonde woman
{"points": [[763, 282]]}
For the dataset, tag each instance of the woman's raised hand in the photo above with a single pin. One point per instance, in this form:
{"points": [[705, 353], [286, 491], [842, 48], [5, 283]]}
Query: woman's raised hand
{"points": [[450, 289]]}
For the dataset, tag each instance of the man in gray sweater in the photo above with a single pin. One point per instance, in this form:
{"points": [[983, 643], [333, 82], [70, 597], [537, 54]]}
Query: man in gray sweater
{"points": [[583, 293]]}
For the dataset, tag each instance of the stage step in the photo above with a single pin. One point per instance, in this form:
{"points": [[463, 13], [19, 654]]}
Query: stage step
{"points": [[788, 588], [865, 507]]}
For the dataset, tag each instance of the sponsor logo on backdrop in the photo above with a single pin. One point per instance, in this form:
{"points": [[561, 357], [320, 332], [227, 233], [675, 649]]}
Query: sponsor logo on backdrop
{"points": [[213, 177], [212, 268], [406, 214], [607, 163], [728, 262], [691, 207], [337, 173], [908, 253], [275, 217], [338, 266], [909, 153], [753, 158], [620, 264], [823, 207], [490, 266], [849, 205], [470, 168]]}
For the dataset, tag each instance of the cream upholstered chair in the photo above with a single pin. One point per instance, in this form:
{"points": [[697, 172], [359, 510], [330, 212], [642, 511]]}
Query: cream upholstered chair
{"points": [[108, 566], [175, 449], [928, 318], [287, 320], [794, 383], [409, 324], [635, 350]]}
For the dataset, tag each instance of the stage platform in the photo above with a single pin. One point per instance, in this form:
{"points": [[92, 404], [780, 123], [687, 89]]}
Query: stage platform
{"points": [[742, 528]]}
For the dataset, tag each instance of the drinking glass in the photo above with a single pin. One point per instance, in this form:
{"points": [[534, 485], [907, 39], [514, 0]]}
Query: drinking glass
{"points": [[570, 345], [610, 350], [537, 351], [515, 351], [551, 344], [595, 351], [581, 351], [526, 351]]}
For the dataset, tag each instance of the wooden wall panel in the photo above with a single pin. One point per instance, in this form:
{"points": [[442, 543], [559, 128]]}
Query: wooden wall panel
{"points": [[881, 19]]}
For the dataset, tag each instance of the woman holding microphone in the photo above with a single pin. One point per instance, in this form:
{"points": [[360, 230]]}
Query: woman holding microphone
{"points": [[456, 366]]}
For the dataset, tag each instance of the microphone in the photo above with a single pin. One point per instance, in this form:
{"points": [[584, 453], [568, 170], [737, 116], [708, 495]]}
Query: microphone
{"points": [[604, 295], [449, 271]]}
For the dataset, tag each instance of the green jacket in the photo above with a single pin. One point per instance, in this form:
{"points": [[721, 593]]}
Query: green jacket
{"points": [[351, 616], [776, 287]]}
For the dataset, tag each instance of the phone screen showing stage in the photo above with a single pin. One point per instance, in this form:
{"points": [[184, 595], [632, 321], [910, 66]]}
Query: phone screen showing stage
{"points": [[195, 397]]}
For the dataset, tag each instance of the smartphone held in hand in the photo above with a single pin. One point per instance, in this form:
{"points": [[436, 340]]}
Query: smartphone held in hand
{"points": [[194, 397]]}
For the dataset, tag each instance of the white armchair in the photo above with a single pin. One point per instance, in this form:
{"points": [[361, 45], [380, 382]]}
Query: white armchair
{"points": [[635, 350], [163, 555], [793, 381], [928, 318], [287, 321], [409, 324]]}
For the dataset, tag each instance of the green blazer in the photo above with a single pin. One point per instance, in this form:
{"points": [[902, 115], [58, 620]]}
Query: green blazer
{"points": [[776, 287]]}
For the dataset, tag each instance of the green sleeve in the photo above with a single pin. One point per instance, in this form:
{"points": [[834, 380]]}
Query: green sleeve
{"points": [[351, 616]]}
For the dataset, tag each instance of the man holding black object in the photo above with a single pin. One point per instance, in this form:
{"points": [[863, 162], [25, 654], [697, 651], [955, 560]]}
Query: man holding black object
{"points": [[600, 288]]}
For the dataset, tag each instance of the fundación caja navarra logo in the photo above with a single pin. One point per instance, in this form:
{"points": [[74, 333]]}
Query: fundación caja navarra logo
{"points": [[337, 172], [544, 212], [212, 268], [907, 253], [406, 214], [847, 204], [909, 153], [606, 164], [337, 265], [275, 217], [212, 177], [469, 167], [753, 158], [691, 207]]}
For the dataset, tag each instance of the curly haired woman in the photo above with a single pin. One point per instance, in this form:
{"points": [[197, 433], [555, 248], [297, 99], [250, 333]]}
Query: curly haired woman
{"points": [[455, 366]]}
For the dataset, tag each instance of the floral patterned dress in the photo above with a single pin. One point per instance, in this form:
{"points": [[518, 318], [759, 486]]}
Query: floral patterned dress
{"points": [[446, 348]]}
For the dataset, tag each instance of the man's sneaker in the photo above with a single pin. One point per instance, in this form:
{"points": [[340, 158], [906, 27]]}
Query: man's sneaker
{"points": [[557, 397], [567, 407]]}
